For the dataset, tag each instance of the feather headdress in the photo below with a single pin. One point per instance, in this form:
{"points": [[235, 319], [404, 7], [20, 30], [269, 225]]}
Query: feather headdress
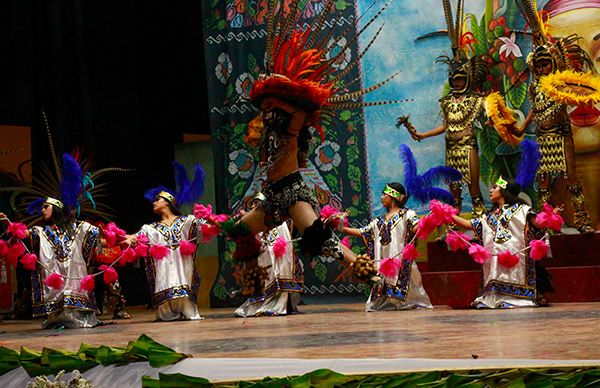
{"points": [[301, 66], [186, 192]]}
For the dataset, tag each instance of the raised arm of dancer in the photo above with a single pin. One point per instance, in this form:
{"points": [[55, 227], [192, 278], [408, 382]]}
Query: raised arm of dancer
{"points": [[462, 222], [4, 219], [433, 132], [355, 232], [525, 123]]}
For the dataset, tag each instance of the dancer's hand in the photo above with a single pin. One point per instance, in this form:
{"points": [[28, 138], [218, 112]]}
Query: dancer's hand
{"points": [[559, 209], [4, 219], [130, 239]]}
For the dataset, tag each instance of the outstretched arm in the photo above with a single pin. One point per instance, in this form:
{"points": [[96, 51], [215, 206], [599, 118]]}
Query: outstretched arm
{"points": [[433, 132], [355, 232], [525, 124], [462, 222]]}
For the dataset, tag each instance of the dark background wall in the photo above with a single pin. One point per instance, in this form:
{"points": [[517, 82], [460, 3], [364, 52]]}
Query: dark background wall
{"points": [[123, 79]]}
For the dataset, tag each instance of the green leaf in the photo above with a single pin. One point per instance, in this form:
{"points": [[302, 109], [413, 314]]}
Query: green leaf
{"points": [[354, 176], [9, 360], [480, 46], [321, 271], [229, 89], [239, 188], [345, 115], [352, 152], [251, 63], [332, 182], [340, 5], [157, 354], [517, 95], [220, 291]]}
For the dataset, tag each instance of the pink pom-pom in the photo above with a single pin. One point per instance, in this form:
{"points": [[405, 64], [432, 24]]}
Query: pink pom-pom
{"points": [[187, 248], [128, 256], [14, 252], [346, 241], [328, 211], [218, 218], [479, 253], [539, 249], [441, 213], [29, 261], [158, 251], [111, 226], [142, 238], [3, 249], [409, 252], [547, 218], [17, 229], [87, 283], [141, 250], [507, 259], [209, 232], [389, 267], [457, 241], [54, 280], [111, 238], [280, 247], [425, 227], [110, 275], [201, 211]]}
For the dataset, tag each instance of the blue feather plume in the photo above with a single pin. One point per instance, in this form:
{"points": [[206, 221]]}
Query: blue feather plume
{"points": [[421, 187], [188, 192], [529, 163], [70, 185], [150, 194], [35, 206]]}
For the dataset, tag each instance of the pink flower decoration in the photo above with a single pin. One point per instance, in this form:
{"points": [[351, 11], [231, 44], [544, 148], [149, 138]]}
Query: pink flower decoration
{"points": [[128, 256], [209, 232], [479, 253], [111, 238], [346, 241], [457, 241], [54, 280], [187, 248], [201, 211], [158, 251], [280, 247], [389, 267], [141, 250], [14, 252], [142, 238], [426, 226], [110, 275], [507, 259], [539, 249], [87, 283], [29, 261], [548, 219], [409, 252], [17, 229], [3, 249]]}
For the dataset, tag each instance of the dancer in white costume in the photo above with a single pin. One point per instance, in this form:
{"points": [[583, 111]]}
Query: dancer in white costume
{"points": [[385, 237], [509, 226]]}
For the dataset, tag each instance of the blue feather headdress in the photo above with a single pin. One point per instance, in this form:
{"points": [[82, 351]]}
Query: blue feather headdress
{"points": [[421, 187], [186, 192], [529, 163]]}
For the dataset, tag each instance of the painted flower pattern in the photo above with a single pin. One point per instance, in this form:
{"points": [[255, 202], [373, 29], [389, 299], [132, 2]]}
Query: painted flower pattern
{"points": [[224, 68], [241, 163], [244, 83], [327, 156], [509, 46], [337, 49]]}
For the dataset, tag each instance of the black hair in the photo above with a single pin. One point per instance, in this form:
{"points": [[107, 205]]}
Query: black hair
{"points": [[510, 195], [62, 219], [399, 188]]}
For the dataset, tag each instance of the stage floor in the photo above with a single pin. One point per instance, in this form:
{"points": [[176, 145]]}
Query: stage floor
{"points": [[559, 332]]}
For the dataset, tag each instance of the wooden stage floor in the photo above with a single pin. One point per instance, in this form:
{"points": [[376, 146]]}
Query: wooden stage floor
{"points": [[559, 332]]}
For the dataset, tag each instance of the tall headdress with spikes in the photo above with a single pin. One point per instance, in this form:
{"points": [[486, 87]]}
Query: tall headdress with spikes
{"points": [[462, 64], [186, 192], [300, 63], [70, 185]]}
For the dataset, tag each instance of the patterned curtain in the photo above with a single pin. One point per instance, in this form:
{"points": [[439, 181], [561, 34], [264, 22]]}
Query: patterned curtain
{"points": [[235, 33]]}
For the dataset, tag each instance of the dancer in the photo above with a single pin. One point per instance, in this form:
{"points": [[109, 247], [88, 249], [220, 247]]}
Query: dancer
{"points": [[170, 267], [511, 277], [460, 109], [550, 61], [385, 238]]}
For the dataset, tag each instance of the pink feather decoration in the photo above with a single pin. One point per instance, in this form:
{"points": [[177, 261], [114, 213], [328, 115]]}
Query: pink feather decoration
{"points": [[425, 227], [389, 267], [457, 241], [539, 249], [29, 261], [87, 283], [54, 280], [328, 211], [142, 238], [15, 251], [3, 249], [201, 211], [209, 232], [409, 252], [111, 226], [128, 256], [141, 250], [479, 253], [111, 238], [346, 242], [507, 259], [547, 218], [187, 248], [17, 229], [158, 251], [441, 213], [110, 275], [280, 247], [218, 218]]}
